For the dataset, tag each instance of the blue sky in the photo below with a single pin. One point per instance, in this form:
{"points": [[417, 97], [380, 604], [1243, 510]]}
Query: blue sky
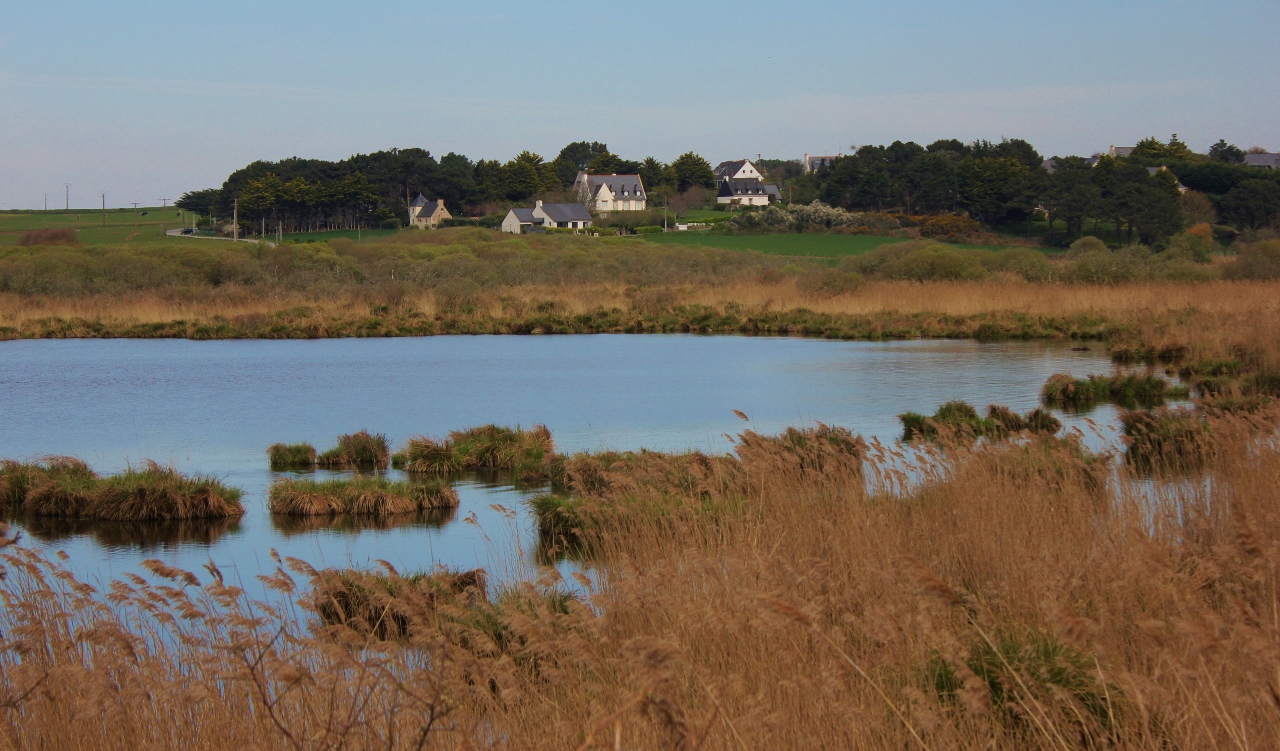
{"points": [[145, 100]]}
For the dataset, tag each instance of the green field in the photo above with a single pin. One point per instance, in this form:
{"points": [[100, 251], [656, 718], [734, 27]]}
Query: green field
{"points": [[364, 234], [809, 245], [122, 225]]}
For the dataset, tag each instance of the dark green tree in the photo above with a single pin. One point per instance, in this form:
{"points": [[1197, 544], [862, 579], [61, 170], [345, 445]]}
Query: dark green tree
{"points": [[692, 170], [1226, 153], [1071, 193], [199, 201], [986, 185], [1252, 204]]}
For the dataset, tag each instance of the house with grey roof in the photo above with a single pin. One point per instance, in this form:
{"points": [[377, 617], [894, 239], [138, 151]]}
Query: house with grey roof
{"points": [[815, 163], [741, 169], [544, 216], [746, 192], [1121, 152], [606, 193], [1265, 160], [425, 214]]}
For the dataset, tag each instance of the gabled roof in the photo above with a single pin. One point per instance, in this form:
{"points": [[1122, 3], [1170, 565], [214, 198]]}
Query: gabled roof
{"points": [[525, 216], [747, 187], [632, 185], [729, 169], [1271, 161], [566, 212], [428, 208]]}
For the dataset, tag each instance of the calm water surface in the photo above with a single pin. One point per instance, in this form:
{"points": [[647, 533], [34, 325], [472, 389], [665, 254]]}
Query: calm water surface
{"points": [[214, 407]]}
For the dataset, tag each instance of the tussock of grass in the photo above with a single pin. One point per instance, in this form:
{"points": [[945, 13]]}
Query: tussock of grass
{"points": [[382, 605], [286, 456], [1127, 390], [362, 450], [62, 486], [293, 524], [960, 419], [365, 496], [1175, 440], [17, 478], [528, 453]]}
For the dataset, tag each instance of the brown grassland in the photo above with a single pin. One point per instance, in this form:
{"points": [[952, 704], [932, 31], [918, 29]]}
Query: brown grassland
{"points": [[807, 591], [1012, 595]]}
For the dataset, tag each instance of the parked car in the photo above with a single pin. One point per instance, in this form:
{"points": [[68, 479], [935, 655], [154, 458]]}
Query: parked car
{"points": [[188, 231]]}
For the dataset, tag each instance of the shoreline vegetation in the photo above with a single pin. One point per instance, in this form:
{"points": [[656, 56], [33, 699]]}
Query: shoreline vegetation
{"points": [[1017, 592], [474, 281], [62, 486]]}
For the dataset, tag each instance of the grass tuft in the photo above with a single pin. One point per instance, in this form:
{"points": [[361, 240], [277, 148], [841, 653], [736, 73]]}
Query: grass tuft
{"points": [[1128, 390], [368, 496], [66, 487], [286, 456], [528, 453], [362, 450], [957, 419]]}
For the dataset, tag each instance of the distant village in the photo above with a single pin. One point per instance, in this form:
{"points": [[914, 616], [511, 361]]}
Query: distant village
{"points": [[739, 184]]}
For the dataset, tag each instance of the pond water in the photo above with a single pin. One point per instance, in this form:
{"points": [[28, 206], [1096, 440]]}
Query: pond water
{"points": [[214, 407]]}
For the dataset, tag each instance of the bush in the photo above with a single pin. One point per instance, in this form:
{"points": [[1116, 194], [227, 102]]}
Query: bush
{"points": [[390, 224], [950, 227], [46, 237], [935, 262], [648, 230], [1259, 260]]}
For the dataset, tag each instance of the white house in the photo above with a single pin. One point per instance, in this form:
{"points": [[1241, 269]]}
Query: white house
{"points": [[1265, 160], [605, 193], [425, 214], [742, 169], [815, 163], [746, 192], [545, 216]]}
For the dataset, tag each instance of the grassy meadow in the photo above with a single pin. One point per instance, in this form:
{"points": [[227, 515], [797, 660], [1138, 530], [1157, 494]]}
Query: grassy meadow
{"points": [[120, 225], [809, 246]]}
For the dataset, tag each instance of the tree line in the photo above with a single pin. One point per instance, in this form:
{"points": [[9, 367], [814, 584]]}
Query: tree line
{"points": [[375, 189], [993, 182]]}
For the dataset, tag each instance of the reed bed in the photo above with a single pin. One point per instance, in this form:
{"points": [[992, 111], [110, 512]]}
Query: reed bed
{"points": [[287, 456], [65, 486], [530, 454], [1125, 389], [959, 419], [290, 525], [1001, 598], [361, 496], [384, 604], [362, 450]]}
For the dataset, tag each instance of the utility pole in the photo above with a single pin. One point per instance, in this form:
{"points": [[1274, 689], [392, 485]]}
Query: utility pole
{"points": [[135, 213], [163, 205], [235, 221], [104, 209], [67, 188], [46, 201]]}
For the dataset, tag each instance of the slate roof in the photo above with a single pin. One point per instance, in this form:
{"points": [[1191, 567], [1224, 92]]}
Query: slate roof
{"points": [[566, 212], [1270, 161], [748, 187], [525, 216], [428, 207], [727, 169], [631, 184]]}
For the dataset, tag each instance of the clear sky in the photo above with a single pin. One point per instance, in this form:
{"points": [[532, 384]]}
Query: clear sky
{"points": [[145, 100]]}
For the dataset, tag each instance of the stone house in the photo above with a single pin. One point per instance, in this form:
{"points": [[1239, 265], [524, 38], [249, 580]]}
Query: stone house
{"points": [[606, 193], [425, 214], [544, 216]]}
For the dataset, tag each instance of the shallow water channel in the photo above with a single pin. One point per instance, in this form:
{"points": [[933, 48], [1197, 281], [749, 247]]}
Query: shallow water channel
{"points": [[214, 407]]}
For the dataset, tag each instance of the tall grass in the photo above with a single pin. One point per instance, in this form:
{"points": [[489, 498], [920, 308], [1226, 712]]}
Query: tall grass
{"points": [[959, 419], [286, 456], [362, 450], [996, 596], [1128, 390], [368, 496], [528, 453], [63, 486]]}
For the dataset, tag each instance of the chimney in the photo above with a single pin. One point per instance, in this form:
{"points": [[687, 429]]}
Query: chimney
{"points": [[537, 204]]}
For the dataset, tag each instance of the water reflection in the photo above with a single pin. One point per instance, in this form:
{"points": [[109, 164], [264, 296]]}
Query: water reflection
{"points": [[141, 535], [356, 523]]}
